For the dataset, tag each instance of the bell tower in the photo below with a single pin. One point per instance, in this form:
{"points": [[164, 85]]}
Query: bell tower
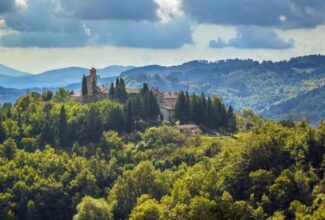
{"points": [[93, 75]]}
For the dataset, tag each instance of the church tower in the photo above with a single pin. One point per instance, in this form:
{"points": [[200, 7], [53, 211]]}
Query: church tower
{"points": [[92, 81]]}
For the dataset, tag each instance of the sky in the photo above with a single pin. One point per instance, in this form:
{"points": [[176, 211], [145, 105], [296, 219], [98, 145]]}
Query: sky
{"points": [[39, 35]]}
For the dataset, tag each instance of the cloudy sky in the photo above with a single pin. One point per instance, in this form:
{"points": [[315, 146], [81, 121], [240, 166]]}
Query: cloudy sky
{"points": [[37, 35]]}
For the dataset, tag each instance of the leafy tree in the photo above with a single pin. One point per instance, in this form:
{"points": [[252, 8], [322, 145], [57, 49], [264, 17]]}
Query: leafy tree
{"points": [[132, 184], [47, 95], [93, 209], [147, 208], [8, 149]]}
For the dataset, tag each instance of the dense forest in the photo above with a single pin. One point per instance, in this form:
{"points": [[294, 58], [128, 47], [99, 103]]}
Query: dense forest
{"points": [[60, 159]]}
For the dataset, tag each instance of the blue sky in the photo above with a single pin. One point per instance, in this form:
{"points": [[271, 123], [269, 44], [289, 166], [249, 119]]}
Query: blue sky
{"points": [[36, 35]]}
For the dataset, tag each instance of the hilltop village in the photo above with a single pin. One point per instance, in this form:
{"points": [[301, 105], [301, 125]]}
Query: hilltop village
{"points": [[91, 91], [149, 106]]}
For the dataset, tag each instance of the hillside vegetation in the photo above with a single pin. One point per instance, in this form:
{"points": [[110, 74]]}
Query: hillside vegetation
{"points": [[310, 105], [260, 86], [269, 170], [241, 83]]}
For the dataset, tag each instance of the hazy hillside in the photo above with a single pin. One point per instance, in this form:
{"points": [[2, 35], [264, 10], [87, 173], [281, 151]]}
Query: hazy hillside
{"points": [[57, 78], [11, 95], [7, 71], [241, 83], [310, 105]]}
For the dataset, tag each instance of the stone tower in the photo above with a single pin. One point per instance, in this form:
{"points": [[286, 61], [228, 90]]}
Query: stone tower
{"points": [[91, 81]]}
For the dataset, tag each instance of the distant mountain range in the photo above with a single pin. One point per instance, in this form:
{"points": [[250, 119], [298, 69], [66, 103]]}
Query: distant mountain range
{"points": [[7, 71], [53, 78], [269, 88], [310, 105]]}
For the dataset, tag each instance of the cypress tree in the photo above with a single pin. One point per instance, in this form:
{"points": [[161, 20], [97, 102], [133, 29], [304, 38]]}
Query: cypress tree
{"points": [[231, 120], [129, 116], [120, 90], [144, 90], [123, 93], [112, 91], [203, 109], [210, 115], [181, 108], [63, 128], [93, 126], [116, 120], [196, 109], [154, 108], [2, 134], [84, 89], [187, 107]]}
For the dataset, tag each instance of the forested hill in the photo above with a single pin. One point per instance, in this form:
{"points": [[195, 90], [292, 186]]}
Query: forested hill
{"points": [[60, 159], [241, 83], [260, 86], [310, 105]]}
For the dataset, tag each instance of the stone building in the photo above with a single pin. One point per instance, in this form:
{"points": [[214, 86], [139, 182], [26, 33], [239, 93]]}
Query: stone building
{"points": [[167, 103], [94, 92], [91, 81]]}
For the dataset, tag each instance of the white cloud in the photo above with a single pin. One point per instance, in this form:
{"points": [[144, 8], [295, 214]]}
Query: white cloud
{"points": [[282, 18], [168, 9], [21, 4], [2, 23]]}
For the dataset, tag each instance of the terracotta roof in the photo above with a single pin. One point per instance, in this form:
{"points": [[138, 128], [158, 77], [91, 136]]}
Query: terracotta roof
{"points": [[170, 95], [77, 94], [132, 91]]}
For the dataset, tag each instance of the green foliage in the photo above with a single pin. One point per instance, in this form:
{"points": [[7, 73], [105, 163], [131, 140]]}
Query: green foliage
{"points": [[211, 114], [93, 209], [272, 170]]}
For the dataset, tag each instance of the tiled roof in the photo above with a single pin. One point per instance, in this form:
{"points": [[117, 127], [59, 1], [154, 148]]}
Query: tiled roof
{"points": [[132, 91], [77, 94], [170, 95]]}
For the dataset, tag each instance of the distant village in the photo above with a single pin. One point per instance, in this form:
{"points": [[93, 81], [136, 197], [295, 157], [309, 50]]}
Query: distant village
{"points": [[166, 100]]}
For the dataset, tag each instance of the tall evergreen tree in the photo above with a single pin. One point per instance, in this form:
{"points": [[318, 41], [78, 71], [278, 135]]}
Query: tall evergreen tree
{"points": [[63, 128], [92, 128], [129, 116], [112, 91], [144, 90], [116, 120], [231, 120], [2, 134], [120, 90], [196, 109], [210, 116], [154, 108], [181, 108], [84, 89], [187, 107]]}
